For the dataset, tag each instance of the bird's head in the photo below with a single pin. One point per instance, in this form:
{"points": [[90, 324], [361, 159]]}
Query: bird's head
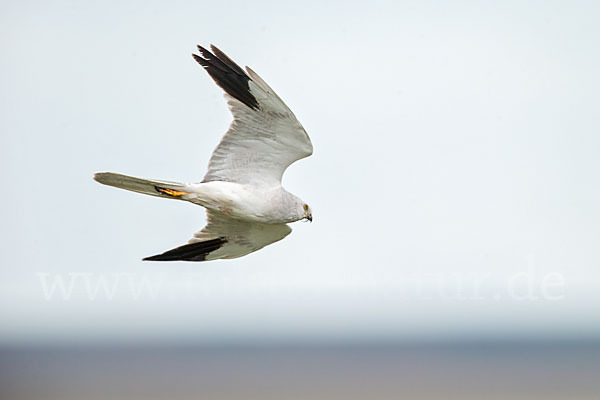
{"points": [[296, 209]]}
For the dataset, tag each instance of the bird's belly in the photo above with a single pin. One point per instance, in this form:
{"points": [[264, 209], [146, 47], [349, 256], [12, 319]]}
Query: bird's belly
{"points": [[236, 200]]}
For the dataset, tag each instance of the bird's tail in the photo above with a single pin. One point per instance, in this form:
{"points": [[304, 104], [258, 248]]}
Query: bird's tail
{"points": [[172, 190]]}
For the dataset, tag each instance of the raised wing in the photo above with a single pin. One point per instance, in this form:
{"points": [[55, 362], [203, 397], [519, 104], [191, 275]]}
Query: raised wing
{"points": [[225, 237], [264, 138]]}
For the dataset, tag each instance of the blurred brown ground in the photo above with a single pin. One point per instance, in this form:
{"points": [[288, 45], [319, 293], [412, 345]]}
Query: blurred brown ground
{"points": [[501, 370]]}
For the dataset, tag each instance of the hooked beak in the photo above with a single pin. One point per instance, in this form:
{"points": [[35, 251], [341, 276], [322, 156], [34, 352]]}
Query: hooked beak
{"points": [[309, 217]]}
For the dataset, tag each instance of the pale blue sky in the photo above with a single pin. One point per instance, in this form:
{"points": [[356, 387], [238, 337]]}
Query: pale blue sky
{"points": [[456, 151]]}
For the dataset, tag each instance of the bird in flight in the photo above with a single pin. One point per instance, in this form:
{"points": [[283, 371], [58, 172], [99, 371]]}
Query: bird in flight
{"points": [[247, 208]]}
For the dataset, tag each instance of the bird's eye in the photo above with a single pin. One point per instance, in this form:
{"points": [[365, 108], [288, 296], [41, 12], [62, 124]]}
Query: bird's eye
{"points": [[306, 207]]}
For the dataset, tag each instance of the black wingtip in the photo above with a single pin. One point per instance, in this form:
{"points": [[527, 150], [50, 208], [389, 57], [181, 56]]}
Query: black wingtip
{"points": [[197, 58], [190, 252], [227, 74]]}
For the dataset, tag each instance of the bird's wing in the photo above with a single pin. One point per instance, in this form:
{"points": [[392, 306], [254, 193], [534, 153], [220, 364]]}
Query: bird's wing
{"points": [[264, 138], [225, 237]]}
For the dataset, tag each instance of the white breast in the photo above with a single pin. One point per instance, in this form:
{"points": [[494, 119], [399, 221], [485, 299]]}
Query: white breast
{"points": [[241, 201]]}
